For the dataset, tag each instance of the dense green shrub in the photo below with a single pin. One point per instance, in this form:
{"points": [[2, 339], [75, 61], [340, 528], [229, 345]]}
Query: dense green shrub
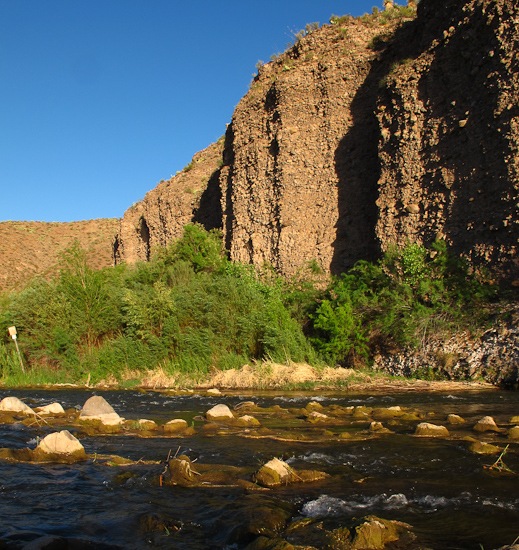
{"points": [[190, 309], [409, 295]]}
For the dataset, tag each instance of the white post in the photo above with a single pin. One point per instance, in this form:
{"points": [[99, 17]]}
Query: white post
{"points": [[12, 333]]}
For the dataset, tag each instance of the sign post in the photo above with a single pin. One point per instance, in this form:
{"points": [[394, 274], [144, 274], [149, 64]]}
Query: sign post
{"points": [[12, 334]]}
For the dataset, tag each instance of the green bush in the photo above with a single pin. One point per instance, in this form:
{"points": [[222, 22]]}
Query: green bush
{"points": [[409, 296], [190, 309]]}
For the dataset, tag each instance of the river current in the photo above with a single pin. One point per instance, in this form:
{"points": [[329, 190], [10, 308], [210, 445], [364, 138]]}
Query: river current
{"points": [[438, 486]]}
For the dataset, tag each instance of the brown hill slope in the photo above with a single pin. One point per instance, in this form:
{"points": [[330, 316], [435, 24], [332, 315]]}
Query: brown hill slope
{"points": [[28, 249]]}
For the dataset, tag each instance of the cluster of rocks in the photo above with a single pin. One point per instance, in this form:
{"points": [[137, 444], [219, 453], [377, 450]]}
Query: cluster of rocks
{"points": [[317, 423], [493, 356]]}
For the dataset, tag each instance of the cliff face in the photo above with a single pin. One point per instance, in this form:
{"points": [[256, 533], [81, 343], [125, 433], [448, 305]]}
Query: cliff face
{"points": [[367, 132], [193, 195], [449, 123], [301, 169]]}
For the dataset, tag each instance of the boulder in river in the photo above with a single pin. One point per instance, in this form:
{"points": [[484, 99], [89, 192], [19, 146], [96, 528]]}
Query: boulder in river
{"points": [[96, 408], [145, 424], [487, 424], [13, 404], [276, 472], [513, 433], [52, 409], [58, 444], [455, 419], [219, 413], [178, 426], [426, 429], [375, 533], [379, 428], [247, 421]]}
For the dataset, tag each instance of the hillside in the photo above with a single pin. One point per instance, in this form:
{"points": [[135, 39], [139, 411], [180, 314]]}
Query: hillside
{"points": [[28, 249]]}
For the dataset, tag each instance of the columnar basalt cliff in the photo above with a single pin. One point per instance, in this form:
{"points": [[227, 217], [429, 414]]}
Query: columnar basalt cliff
{"points": [[367, 132], [449, 125]]}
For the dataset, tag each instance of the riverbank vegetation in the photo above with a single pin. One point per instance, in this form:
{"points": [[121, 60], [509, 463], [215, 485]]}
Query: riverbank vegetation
{"points": [[190, 312]]}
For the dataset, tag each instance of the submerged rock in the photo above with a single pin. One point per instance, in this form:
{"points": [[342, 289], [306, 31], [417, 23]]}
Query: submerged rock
{"points": [[426, 429], [181, 471], [315, 417], [383, 413], [367, 533], [13, 404], [483, 448], [513, 433], [246, 405], [362, 412], [184, 472]]}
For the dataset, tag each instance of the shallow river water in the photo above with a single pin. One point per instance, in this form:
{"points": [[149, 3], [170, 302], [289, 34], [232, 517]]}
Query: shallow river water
{"points": [[437, 485]]}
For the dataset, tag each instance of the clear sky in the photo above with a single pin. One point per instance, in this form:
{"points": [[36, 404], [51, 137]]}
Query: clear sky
{"points": [[101, 99]]}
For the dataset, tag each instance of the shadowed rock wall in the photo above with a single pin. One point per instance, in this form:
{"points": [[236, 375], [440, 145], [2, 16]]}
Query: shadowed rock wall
{"points": [[449, 122]]}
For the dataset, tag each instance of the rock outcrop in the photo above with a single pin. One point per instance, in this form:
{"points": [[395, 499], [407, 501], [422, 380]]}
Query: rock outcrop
{"points": [[367, 132], [193, 195], [448, 113], [494, 355]]}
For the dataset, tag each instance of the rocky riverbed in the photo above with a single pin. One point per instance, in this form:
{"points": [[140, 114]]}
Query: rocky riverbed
{"points": [[291, 483]]}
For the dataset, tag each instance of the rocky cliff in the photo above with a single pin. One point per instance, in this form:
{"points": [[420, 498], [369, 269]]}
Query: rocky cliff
{"points": [[367, 132]]}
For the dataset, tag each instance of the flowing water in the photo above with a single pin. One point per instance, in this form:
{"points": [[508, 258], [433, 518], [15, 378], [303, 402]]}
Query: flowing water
{"points": [[437, 486]]}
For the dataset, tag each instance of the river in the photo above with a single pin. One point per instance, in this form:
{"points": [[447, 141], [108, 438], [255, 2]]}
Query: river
{"points": [[436, 485]]}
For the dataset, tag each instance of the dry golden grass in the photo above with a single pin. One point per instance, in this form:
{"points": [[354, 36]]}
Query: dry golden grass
{"points": [[274, 375], [278, 378]]}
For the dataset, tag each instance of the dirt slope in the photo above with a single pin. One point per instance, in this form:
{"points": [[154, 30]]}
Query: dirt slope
{"points": [[33, 248]]}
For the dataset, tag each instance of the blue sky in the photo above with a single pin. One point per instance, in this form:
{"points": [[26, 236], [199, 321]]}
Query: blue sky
{"points": [[101, 99]]}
